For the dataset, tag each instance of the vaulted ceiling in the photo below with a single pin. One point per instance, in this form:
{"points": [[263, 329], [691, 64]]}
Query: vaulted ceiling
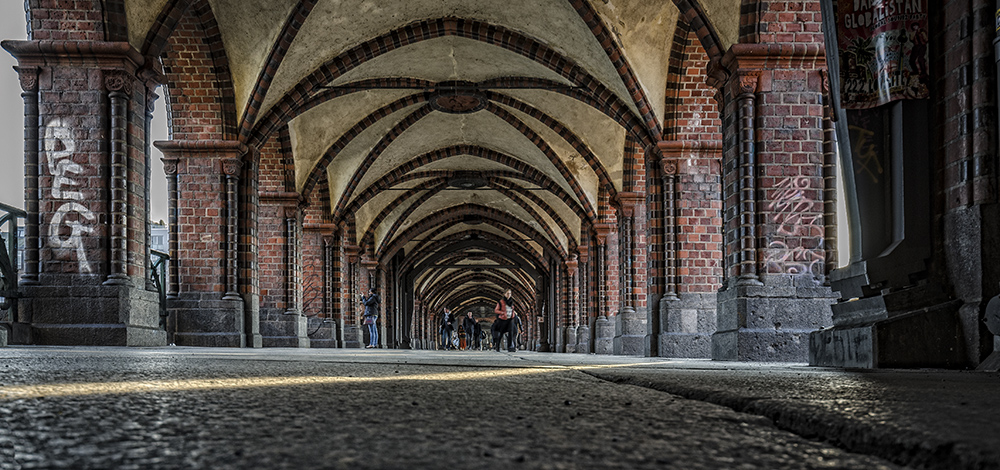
{"points": [[513, 114]]}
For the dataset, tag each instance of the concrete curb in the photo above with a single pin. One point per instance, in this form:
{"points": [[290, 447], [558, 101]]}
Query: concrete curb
{"points": [[897, 444]]}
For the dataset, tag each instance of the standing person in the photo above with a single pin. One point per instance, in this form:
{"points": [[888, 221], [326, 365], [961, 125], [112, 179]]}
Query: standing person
{"points": [[371, 303], [505, 312], [515, 330], [446, 328], [469, 325]]}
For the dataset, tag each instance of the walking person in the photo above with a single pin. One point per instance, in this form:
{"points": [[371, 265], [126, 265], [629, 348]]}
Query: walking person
{"points": [[371, 303], [469, 325], [446, 328], [505, 312]]}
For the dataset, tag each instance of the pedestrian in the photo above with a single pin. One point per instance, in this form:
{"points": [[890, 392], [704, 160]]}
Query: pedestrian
{"points": [[505, 312], [371, 303], [446, 328], [469, 325], [515, 330]]}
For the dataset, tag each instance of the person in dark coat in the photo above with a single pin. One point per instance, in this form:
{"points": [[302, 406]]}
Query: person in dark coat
{"points": [[469, 325], [371, 303], [446, 327]]}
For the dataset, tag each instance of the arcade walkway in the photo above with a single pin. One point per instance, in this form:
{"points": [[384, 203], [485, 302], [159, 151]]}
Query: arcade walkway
{"points": [[178, 407]]}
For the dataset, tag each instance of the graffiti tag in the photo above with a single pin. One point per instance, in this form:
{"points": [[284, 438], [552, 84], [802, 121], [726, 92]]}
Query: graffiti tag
{"points": [[796, 215], [59, 148]]}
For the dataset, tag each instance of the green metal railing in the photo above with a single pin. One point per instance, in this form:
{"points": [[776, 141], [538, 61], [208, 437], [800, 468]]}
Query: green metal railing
{"points": [[8, 264], [158, 262]]}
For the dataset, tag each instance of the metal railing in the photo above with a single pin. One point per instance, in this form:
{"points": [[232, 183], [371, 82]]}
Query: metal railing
{"points": [[9, 264], [158, 263]]}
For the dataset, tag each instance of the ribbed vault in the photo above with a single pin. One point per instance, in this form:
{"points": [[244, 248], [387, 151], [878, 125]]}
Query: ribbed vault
{"points": [[477, 143]]}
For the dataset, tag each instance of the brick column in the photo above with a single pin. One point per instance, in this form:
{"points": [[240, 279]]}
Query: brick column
{"points": [[29, 85], [604, 329], [693, 247], [352, 297], [773, 294], [85, 196], [206, 304], [583, 343], [281, 320], [574, 305], [631, 321]]}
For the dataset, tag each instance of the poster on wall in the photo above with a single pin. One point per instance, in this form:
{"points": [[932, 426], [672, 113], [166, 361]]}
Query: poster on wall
{"points": [[883, 51]]}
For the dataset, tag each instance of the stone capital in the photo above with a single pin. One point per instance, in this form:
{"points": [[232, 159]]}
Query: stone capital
{"points": [[170, 166], [602, 230], [584, 252], [116, 80], [629, 201], [231, 167], [28, 76]]}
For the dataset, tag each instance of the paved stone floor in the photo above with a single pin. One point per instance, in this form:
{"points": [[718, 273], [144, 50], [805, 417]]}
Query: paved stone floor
{"points": [[63, 407]]}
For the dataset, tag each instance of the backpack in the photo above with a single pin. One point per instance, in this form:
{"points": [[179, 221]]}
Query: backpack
{"points": [[501, 310]]}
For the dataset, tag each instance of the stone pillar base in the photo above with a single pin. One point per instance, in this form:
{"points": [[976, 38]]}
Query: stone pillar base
{"points": [[688, 324], [205, 319], [79, 310], [281, 329], [930, 337], [582, 340], [560, 339], [604, 342], [251, 320], [570, 339], [353, 337], [770, 322], [322, 333], [630, 333]]}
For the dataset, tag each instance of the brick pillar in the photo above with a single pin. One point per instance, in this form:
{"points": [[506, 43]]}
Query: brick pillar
{"points": [[693, 247], [574, 305], [773, 294], [352, 297], [583, 342], [85, 195], [205, 300], [603, 326], [630, 323], [281, 321]]}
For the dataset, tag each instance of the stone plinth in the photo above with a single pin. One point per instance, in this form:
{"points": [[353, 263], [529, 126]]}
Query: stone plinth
{"points": [[604, 341], [687, 325], [206, 319], [770, 322], [582, 340], [630, 332], [80, 310], [283, 329]]}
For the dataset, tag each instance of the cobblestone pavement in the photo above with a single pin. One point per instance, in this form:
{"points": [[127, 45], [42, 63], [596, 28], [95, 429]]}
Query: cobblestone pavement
{"points": [[283, 408]]}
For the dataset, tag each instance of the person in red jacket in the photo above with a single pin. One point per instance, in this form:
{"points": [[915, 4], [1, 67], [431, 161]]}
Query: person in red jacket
{"points": [[505, 312]]}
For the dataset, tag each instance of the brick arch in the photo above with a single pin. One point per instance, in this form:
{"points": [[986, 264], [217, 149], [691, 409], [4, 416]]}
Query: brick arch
{"points": [[542, 145], [115, 22], [318, 171], [286, 108], [288, 33], [187, 123], [432, 245], [447, 290], [687, 92], [163, 27], [595, 164], [411, 119], [522, 171], [432, 191], [455, 214], [695, 16]]}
